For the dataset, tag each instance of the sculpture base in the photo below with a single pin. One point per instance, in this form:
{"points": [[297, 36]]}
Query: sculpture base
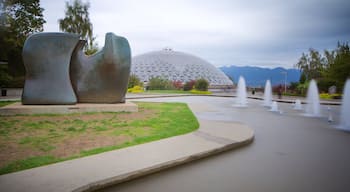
{"points": [[19, 109]]}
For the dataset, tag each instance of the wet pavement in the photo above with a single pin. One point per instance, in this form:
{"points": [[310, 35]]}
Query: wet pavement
{"points": [[291, 152]]}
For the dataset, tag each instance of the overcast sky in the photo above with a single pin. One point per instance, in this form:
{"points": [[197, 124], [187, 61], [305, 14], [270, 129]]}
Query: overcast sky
{"points": [[270, 33]]}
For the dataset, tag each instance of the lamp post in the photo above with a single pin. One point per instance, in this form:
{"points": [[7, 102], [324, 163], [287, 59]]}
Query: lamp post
{"points": [[285, 81]]}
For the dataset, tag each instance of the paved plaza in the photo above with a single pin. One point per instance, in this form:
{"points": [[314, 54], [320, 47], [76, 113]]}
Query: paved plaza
{"points": [[290, 152]]}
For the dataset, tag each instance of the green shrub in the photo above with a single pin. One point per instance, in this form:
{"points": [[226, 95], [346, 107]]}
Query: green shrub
{"points": [[195, 91], [189, 85], [5, 79], [134, 80], [324, 84], [158, 83], [330, 96], [302, 88], [201, 84], [177, 85], [135, 89]]}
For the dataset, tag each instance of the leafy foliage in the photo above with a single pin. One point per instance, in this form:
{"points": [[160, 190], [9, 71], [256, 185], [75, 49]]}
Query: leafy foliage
{"points": [[330, 68], [195, 91], [18, 19], [77, 21], [177, 85], [189, 85], [135, 89], [338, 70], [201, 84], [5, 78], [330, 96], [158, 83], [134, 80], [311, 64], [22, 18]]}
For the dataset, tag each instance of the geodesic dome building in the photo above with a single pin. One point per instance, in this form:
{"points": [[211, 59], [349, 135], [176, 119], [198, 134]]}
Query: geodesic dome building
{"points": [[176, 66]]}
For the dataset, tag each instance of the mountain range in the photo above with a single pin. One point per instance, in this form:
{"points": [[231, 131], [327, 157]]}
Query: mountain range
{"points": [[257, 76]]}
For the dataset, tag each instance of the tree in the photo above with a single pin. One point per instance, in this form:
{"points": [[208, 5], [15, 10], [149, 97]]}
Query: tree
{"points": [[331, 68], [312, 64], [19, 19], [339, 70], [302, 78], [5, 78], [22, 18], [77, 21]]}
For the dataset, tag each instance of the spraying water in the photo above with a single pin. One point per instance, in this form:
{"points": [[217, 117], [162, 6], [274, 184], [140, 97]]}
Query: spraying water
{"points": [[297, 105], [268, 94], [241, 100], [313, 101], [345, 108], [274, 107]]}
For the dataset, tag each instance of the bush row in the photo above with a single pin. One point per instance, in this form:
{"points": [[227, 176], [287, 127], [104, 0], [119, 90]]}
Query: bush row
{"points": [[159, 83]]}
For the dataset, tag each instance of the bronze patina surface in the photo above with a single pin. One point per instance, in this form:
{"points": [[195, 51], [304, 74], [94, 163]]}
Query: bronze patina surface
{"points": [[59, 73], [102, 77], [46, 58]]}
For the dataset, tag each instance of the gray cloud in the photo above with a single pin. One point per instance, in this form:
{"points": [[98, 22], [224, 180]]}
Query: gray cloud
{"points": [[262, 33]]}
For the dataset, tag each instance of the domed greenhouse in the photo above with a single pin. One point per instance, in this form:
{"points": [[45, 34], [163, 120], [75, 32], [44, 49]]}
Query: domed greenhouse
{"points": [[176, 66]]}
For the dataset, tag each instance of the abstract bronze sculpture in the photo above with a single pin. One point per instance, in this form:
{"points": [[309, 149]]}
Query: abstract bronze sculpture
{"points": [[58, 72], [102, 77], [46, 58]]}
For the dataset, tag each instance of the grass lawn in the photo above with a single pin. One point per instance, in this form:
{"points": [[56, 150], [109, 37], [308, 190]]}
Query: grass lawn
{"points": [[28, 141], [3, 103]]}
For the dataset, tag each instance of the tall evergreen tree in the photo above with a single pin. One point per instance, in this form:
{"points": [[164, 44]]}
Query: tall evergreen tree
{"points": [[77, 21]]}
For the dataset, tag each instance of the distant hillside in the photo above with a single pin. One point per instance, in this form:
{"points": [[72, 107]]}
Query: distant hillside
{"points": [[257, 76]]}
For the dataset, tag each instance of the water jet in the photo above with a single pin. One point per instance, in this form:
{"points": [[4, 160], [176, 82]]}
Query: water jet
{"points": [[268, 94], [241, 99], [297, 105], [345, 108], [313, 101]]}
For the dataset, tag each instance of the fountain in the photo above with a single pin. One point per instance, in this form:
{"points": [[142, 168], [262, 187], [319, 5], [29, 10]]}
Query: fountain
{"points": [[330, 116], [313, 101], [274, 107], [267, 94], [345, 108], [297, 105], [241, 100]]}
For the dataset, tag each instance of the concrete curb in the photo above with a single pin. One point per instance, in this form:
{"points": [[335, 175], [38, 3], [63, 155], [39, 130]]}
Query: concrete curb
{"points": [[163, 166]]}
